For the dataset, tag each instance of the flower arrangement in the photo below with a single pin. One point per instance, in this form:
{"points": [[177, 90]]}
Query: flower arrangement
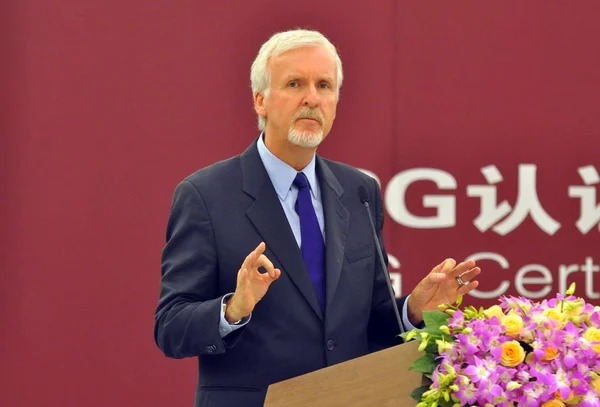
{"points": [[517, 353]]}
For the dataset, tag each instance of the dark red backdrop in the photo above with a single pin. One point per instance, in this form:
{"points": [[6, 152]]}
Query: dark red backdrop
{"points": [[107, 105]]}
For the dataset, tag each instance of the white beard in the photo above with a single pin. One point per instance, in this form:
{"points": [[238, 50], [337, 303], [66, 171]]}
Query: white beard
{"points": [[305, 138]]}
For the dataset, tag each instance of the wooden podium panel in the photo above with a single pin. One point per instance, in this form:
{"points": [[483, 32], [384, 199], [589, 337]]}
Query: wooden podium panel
{"points": [[379, 379]]}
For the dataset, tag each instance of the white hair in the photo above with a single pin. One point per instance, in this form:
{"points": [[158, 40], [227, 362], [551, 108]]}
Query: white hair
{"points": [[260, 77]]}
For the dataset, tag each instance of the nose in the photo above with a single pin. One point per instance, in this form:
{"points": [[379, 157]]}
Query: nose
{"points": [[311, 98]]}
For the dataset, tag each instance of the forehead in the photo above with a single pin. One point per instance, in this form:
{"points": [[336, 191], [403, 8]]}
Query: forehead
{"points": [[309, 61]]}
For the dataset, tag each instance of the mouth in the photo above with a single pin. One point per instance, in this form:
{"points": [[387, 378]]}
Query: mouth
{"points": [[311, 119]]}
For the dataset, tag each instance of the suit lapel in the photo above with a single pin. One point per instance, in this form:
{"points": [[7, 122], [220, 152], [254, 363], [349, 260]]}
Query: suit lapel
{"points": [[336, 226], [268, 217]]}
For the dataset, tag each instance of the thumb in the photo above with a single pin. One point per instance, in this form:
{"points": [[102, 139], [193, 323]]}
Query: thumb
{"points": [[431, 281], [440, 272], [437, 278]]}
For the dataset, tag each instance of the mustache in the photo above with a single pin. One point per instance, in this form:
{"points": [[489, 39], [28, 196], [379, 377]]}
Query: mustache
{"points": [[308, 113]]}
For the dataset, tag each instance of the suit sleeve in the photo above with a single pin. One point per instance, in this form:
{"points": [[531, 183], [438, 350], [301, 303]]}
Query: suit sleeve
{"points": [[383, 326], [188, 312]]}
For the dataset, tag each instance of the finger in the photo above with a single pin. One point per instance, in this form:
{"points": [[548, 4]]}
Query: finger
{"points": [[470, 274], [437, 274], [444, 267], [462, 268], [272, 277], [470, 286], [268, 278], [263, 261], [260, 249], [439, 268], [250, 259]]}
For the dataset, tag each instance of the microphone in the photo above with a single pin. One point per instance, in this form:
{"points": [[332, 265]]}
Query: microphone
{"points": [[364, 199]]}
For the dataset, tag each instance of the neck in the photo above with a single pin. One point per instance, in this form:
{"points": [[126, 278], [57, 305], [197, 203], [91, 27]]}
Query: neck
{"points": [[295, 156]]}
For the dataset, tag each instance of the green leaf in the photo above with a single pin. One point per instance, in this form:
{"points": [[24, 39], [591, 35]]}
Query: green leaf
{"points": [[435, 319], [434, 332], [444, 403], [431, 347], [425, 364], [417, 393]]}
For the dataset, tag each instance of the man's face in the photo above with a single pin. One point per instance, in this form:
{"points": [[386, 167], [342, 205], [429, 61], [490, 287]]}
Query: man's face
{"points": [[301, 105]]}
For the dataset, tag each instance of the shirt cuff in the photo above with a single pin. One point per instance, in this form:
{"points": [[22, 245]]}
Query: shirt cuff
{"points": [[405, 321], [225, 328]]}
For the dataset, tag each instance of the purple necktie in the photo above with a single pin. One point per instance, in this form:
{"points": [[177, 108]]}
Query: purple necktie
{"points": [[313, 246]]}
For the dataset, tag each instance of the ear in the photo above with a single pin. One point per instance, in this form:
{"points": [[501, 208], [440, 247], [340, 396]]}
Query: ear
{"points": [[259, 104]]}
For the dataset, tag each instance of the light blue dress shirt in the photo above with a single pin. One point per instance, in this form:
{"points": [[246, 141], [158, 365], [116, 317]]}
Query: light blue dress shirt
{"points": [[282, 176]]}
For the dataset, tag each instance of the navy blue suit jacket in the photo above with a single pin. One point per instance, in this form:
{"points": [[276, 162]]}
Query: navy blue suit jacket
{"points": [[220, 214]]}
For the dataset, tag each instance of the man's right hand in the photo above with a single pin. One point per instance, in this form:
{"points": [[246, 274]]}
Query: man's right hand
{"points": [[252, 285]]}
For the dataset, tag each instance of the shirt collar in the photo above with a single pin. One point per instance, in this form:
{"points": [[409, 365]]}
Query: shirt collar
{"points": [[282, 175]]}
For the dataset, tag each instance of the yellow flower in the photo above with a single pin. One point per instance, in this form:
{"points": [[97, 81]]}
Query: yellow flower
{"points": [[551, 354], [593, 335], [553, 403], [575, 311], [443, 346], [510, 386], [572, 400], [494, 311], [556, 315], [513, 323], [512, 354], [527, 336], [530, 358], [596, 385]]}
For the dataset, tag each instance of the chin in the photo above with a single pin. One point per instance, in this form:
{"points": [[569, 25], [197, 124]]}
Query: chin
{"points": [[305, 138]]}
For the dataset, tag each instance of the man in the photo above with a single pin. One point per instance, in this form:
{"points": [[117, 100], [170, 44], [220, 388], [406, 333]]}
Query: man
{"points": [[322, 298]]}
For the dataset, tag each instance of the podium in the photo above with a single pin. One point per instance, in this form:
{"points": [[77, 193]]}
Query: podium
{"points": [[378, 379]]}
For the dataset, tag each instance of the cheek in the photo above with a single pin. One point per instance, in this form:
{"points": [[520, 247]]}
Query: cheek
{"points": [[331, 110], [282, 106], [332, 105]]}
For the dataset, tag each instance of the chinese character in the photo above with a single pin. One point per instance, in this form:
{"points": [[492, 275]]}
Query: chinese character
{"points": [[528, 203], [590, 212]]}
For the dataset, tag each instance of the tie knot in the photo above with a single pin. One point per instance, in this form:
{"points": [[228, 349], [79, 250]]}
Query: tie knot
{"points": [[301, 181]]}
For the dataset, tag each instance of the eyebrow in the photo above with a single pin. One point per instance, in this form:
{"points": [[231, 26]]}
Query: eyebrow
{"points": [[293, 76]]}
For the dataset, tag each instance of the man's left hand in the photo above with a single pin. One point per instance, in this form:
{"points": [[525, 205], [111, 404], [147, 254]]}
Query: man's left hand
{"points": [[441, 286]]}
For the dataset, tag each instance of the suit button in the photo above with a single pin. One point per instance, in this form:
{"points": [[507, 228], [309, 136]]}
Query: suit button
{"points": [[330, 345]]}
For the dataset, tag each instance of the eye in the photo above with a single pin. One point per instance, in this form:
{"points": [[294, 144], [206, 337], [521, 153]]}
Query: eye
{"points": [[293, 84], [324, 85]]}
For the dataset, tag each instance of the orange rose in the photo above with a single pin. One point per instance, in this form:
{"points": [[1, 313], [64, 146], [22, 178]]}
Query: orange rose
{"points": [[551, 354], [513, 323], [512, 354], [593, 335], [553, 403]]}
